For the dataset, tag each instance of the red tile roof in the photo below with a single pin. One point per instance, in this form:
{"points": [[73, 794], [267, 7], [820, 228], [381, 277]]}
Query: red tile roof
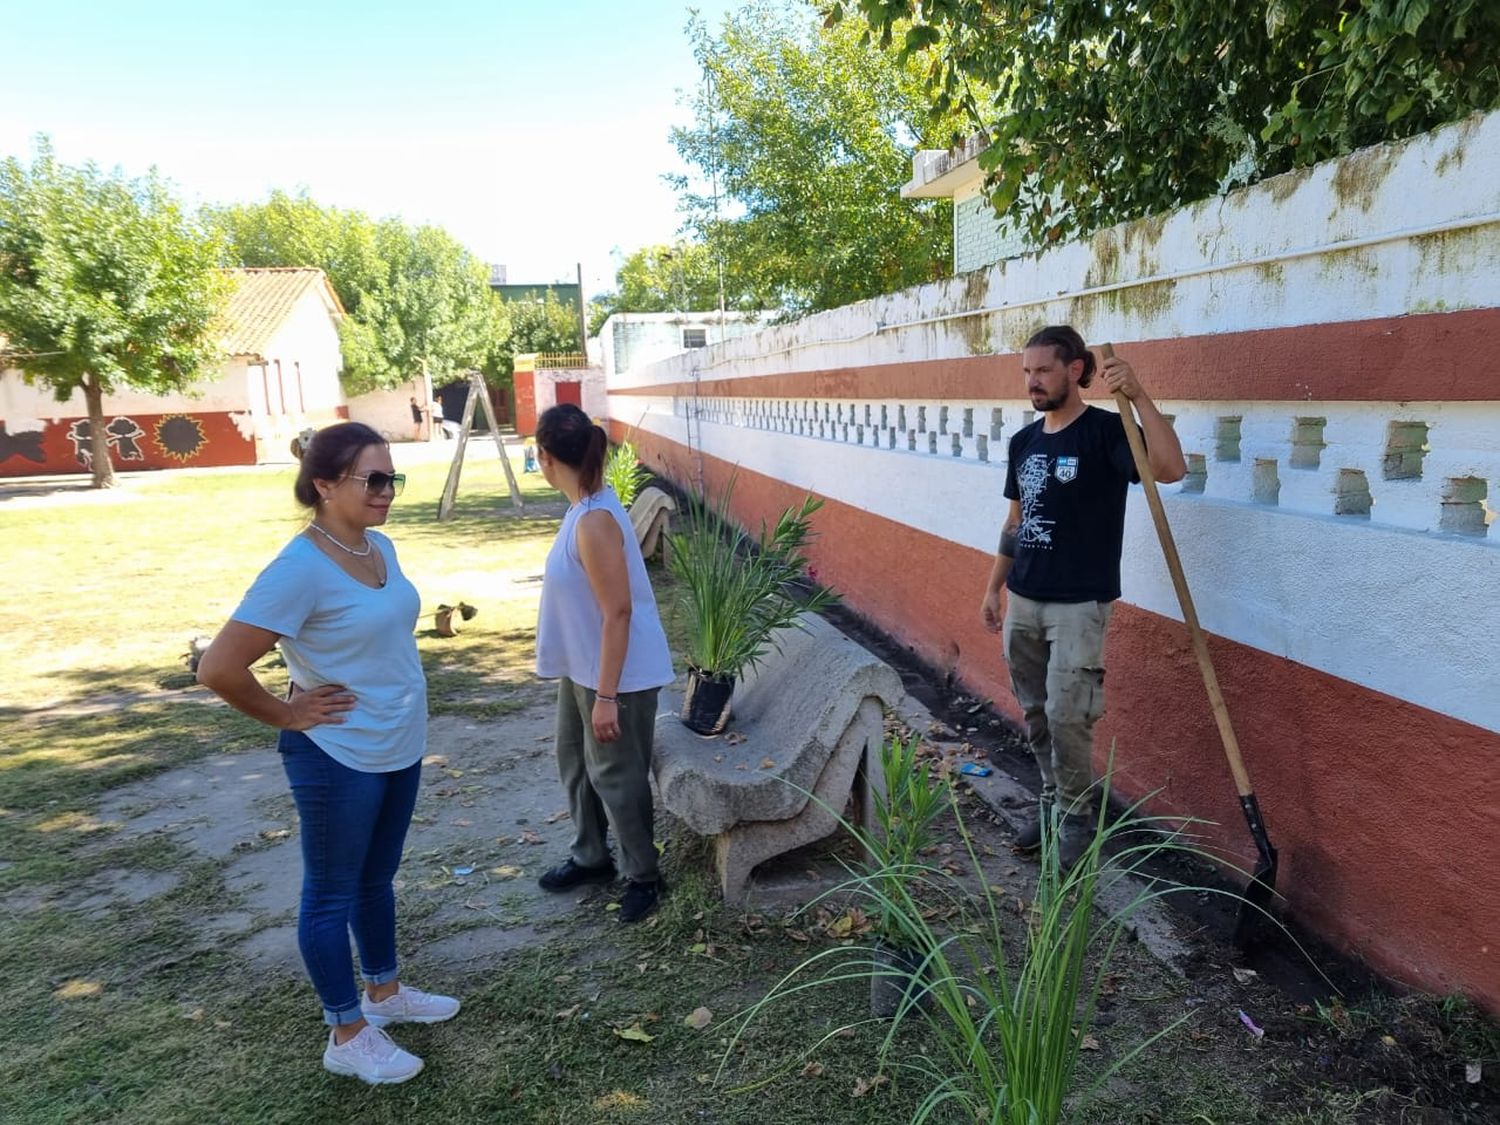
{"points": [[263, 299]]}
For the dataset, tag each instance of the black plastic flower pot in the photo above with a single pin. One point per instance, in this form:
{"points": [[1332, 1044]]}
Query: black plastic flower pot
{"points": [[896, 980], [705, 704]]}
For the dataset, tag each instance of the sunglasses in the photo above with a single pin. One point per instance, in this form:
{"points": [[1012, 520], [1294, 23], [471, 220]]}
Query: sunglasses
{"points": [[377, 482]]}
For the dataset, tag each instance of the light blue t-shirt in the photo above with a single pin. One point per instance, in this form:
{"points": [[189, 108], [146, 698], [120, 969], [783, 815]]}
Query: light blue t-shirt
{"points": [[334, 630]]}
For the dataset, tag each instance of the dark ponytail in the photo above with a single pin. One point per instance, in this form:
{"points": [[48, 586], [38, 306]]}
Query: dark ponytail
{"points": [[330, 454], [568, 434], [1067, 345]]}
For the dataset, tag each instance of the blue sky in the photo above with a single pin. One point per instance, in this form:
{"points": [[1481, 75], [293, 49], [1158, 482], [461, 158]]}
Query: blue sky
{"points": [[535, 132]]}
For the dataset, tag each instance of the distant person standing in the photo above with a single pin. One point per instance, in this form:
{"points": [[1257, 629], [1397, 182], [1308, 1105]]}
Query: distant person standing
{"points": [[353, 732], [441, 422], [598, 634], [416, 420]]}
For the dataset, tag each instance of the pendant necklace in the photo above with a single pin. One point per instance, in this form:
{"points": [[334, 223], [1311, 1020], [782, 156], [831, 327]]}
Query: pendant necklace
{"points": [[348, 550]]}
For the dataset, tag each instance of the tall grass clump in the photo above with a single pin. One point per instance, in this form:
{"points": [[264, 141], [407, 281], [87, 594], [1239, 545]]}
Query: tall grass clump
{"points": [[1005, 1015]]}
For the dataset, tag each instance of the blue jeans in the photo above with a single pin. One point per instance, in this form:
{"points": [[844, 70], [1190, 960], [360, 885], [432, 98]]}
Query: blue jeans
{"points": [[353, 829]]}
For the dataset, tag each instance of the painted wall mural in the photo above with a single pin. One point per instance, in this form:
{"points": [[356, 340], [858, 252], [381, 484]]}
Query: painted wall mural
{"points": [[135, 441]]}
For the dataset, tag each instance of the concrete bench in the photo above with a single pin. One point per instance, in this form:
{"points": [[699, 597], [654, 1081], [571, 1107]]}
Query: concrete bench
{"points": [[651, 515], [812, 715]]}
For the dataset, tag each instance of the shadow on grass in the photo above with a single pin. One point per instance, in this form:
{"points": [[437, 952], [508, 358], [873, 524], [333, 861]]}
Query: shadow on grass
{"points": [[54, 769]]}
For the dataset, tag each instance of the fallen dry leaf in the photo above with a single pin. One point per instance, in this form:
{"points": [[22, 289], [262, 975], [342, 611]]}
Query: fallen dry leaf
{"points": [[863, 1086], [561, 814], [768, 763], [506, 872], [635, 1033], [698, 1019], [1244, 976], [530, 837], [463, 822], [568, 1013], [1088, 1043], [813, 1070]]}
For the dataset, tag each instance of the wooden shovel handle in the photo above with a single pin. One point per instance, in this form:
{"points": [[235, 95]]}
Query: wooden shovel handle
{"points": [[1179, 582]]}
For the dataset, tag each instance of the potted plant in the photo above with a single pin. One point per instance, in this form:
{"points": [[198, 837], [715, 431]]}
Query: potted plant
{"points": [[737, 591], [624, 472], [915, 794]]}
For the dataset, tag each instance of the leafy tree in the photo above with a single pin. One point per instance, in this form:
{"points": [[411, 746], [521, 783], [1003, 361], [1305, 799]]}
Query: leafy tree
{"points": [[1099, 113], [682, 277], [809, 135], [432, 310], [415, 297], [546, 325], [105, 283], [293, 230]]}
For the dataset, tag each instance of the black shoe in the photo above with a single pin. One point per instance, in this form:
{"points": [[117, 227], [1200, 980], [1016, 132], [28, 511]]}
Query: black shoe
{"points": [[1075, 839], [568, 875], [1029, 836], [640, 899]]}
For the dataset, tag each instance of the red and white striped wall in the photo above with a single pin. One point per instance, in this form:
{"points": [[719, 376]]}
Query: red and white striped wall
{"points": [[1329, 346]]}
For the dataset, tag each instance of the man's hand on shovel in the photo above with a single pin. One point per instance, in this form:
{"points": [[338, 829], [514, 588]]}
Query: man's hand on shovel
{"points": [[1119, 377]]}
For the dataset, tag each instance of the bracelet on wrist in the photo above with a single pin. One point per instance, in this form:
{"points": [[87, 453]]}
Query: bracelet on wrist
{"points": [[606, 698]]}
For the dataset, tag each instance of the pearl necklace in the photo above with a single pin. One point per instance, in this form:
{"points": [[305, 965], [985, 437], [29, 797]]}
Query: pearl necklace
{"points": [[349, 550]]}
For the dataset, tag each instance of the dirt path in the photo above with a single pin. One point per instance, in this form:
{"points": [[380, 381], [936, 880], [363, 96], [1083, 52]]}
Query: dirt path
{"points": [[489, 819]]}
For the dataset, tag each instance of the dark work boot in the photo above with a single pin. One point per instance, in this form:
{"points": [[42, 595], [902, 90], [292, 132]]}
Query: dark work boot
{"points": [[1074, 838], [640, 898], [1029, 835], [567, 875]]}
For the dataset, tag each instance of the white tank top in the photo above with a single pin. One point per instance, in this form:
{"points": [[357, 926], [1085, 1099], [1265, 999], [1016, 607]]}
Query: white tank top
{"points": [[570, 624]]}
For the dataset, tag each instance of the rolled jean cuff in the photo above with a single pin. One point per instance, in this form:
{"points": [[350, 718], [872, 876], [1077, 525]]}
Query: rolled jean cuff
{"points": [[344, 1016], [384, 976]]}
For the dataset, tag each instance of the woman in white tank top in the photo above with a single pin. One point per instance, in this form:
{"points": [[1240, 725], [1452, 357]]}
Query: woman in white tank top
{"points": [[599, 636]]}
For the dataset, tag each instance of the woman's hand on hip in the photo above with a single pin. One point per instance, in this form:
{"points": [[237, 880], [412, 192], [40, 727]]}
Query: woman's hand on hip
{"points": [[326, 704], [606, 719]]}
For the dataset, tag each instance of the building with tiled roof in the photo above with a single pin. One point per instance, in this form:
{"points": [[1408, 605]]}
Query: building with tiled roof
{"points": [[280, 374], [264, 300]]}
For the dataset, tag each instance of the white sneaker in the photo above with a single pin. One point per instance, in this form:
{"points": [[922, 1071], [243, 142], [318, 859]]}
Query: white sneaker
{"points": [[371, 1057], [408, 1005]]}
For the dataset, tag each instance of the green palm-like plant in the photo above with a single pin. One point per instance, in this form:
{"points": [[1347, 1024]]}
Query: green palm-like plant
{"points": [[739, 590], [624, 472]]}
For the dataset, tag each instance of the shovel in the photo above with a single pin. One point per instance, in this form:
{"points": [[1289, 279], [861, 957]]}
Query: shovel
{"points": [[1255, 905]]}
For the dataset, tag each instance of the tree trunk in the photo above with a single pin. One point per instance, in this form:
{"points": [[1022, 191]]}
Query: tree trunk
{"points": [[104, 471]]}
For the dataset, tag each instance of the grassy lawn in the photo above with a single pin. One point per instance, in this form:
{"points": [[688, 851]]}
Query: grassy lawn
{"points": [[123, 1015], [126, 1013]]}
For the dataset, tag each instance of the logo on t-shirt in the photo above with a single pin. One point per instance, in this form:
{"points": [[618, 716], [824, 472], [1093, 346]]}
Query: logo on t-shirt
{"points": [[1066, 470], [1032, 477]]}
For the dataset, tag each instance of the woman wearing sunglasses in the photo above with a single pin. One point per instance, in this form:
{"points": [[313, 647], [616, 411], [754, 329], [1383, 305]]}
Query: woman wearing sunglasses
{"points": [[353, 732]]}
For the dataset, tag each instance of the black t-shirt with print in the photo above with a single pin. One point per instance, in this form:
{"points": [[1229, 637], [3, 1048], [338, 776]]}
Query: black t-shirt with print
{"points": [[1071, 486]]}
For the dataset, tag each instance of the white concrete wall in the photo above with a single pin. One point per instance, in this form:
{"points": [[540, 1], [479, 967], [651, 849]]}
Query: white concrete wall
{"points": [[594, 395], [1392, 601], [1263, 256], [980, 237], [389, 411], [632, 339]]}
